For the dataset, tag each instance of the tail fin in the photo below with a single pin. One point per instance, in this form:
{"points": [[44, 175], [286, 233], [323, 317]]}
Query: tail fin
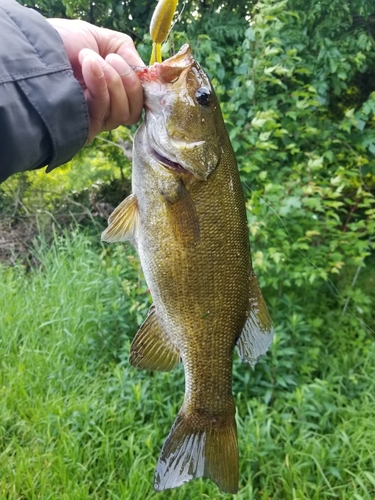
{"points": [[189, 453]]}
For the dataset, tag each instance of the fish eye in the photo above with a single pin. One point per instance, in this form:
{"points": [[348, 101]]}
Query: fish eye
{"points": [[203, 96]]}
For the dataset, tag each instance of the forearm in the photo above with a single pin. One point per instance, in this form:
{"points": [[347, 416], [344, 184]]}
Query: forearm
{"points": [[43, 113]]}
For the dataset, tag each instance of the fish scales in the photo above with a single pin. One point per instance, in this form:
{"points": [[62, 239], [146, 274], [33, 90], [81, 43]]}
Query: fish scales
{"points": [[202, 302], [187, 218]]}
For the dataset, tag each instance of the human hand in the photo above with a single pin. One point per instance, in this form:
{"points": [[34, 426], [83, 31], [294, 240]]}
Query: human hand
{"points": [[101, 60]]}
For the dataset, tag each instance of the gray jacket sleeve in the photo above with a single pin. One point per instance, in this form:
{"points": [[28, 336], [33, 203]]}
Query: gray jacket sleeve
{"points": [[43, 113]]}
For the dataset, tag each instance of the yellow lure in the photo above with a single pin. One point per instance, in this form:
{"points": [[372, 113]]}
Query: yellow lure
{"points": [[160, 26]]}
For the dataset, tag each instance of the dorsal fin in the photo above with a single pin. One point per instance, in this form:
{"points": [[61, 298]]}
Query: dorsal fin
{"points": [[257, 334], [123, 223]]}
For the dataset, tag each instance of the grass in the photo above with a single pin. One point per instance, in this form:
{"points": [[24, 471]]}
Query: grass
{"points": [[78, 422]]}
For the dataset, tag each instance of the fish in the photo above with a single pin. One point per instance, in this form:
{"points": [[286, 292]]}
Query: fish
{"points": [[186, 216]]}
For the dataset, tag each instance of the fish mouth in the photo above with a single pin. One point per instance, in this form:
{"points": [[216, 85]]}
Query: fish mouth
{"points": [[166, 162], [169, 70]]}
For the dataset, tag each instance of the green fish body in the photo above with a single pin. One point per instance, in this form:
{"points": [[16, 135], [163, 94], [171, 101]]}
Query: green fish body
{"points": [[187, 218]]}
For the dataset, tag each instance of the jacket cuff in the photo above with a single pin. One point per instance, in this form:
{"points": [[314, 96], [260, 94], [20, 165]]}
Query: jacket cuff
{"points": [[59, 101]]}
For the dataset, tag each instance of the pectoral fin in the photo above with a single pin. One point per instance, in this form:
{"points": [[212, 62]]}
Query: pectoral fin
{"points": [[123, 223], [257, 334], [151, 348], [185, 221]]}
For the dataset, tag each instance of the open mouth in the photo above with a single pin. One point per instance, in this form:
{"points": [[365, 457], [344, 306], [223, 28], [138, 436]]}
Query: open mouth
{"points": [[169, 163]]}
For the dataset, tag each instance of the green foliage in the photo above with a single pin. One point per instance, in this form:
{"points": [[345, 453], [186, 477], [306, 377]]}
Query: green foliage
{"points": [[134, 18], [77, 421], [316, 170], [297, 84]]}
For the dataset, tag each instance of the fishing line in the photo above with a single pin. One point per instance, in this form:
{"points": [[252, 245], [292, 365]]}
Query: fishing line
{"points": [[347, 309], [177, 19]]}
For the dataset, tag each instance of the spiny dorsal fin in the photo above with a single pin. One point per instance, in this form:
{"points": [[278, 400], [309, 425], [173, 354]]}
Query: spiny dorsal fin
{"points": [[123, 222], [257, 334], [151, 348]]}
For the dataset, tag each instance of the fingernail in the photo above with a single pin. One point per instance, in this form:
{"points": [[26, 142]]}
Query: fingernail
{"points": [[96, 62], [97, 68], [83, 54], [118, 63]]}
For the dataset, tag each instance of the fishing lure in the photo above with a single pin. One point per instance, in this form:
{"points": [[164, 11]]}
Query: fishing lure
{"points": [[160, 25]]}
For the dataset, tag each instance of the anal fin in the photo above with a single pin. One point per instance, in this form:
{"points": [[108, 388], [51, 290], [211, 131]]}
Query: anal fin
{"points": [[151, 348], [123, 223], [257, 334]]}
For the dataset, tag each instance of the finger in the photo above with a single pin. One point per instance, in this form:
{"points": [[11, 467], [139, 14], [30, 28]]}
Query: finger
{"points": [[96, 93], [118, 109], [128, 108], [127, 51], [113, 42]]}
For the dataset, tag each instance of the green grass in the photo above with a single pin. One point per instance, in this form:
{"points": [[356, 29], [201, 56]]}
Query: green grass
{"points": [[78, 422]]}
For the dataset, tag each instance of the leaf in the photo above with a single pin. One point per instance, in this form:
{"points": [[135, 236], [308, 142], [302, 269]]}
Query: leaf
{"points": [[288, 204], [315, 163]]}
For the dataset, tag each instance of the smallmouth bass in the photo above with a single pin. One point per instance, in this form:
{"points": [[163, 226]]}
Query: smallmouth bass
{"points": [[186, 216]]}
